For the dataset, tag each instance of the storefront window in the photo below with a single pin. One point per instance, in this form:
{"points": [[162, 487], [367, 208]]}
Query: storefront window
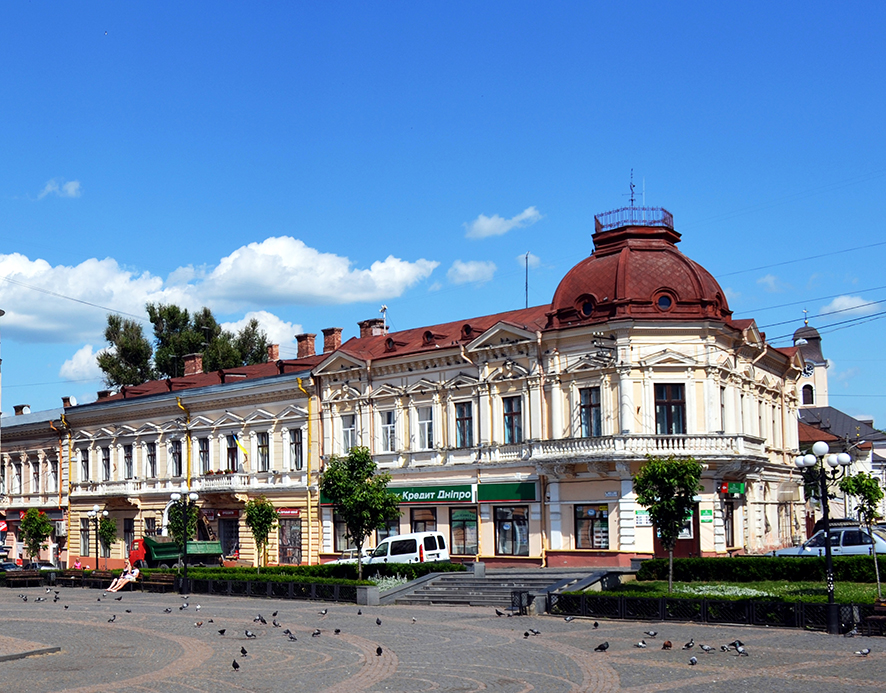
{"points": [[424, 519], [463, 531], [512, 531], [591, 527], [289, 549], [229, 536], [341, 540], [391, 529]]}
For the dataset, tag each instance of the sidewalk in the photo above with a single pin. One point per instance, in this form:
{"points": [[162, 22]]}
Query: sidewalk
{"points": [[423, 649]]}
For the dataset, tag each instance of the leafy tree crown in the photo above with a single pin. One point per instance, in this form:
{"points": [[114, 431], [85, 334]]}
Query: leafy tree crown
{"points": [[667, 487]]}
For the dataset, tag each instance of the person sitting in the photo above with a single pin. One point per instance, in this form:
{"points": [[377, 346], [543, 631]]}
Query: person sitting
{"points": [[130, 574]]}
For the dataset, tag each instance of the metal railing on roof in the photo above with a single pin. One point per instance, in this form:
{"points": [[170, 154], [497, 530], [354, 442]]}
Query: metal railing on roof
{"points": [[634, 216]]}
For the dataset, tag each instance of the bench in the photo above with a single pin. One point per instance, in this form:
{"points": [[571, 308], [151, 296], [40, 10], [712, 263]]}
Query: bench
{"points": [[875, 622], [70, 578], [157, 582], [24, 578], [98, 578]]}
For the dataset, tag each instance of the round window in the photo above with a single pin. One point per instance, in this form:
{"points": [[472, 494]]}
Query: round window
{"points": [[664, 302], [587, 307]]}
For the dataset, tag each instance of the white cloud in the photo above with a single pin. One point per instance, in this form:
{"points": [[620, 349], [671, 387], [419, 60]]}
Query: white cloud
{"points": [[471, 271], [436, 286], [772, 284], [278, 331], [483, 226], [850, 305], [70, 188], [284, 270], [534, 260], [731, 294], [82, 365]]}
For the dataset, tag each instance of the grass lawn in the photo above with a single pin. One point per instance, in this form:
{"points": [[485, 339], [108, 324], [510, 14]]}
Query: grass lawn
{"points": [[858, 592]]}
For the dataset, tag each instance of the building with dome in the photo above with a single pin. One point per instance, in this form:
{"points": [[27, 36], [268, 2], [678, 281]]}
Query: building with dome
{"points": [[518, 434]]}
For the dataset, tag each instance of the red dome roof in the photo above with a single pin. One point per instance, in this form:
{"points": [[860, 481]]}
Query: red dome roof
{"points": [[637, 272]]}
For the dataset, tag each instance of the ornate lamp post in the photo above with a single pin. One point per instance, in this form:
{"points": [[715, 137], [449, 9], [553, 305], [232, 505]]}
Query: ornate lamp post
{"points": [[95, 514], [186, 504], [812, 467]]}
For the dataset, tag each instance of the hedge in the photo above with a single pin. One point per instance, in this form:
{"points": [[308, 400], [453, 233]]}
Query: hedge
{"points": [[760, 568]]}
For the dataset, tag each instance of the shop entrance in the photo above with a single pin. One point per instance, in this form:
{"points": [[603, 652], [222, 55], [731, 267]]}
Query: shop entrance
{"points": [[289, 548], [688, 543]]}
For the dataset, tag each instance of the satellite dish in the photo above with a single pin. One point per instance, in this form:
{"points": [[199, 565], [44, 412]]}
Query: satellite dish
{"points": [[73, 401]]}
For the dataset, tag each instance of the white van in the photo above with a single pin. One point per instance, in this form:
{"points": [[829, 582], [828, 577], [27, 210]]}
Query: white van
{"points": [[421, 547]]}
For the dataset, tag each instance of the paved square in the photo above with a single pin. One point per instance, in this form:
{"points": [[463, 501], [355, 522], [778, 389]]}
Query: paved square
{"points": [[146, 649]]}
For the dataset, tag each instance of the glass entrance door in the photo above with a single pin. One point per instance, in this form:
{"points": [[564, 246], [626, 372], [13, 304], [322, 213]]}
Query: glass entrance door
{"points": [[289, 549]]}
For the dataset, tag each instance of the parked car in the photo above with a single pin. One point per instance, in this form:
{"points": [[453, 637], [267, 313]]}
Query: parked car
{"points": [[8, 566], [350, 556], [845, 541], [420, 547], [40, 565]]}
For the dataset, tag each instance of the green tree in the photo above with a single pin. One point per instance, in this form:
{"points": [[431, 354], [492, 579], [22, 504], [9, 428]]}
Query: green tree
{"points": [[128, 360], [261, 518], [359, 495], [35, 529], [667, 488], [868, 496], [107, 533], [182, 522]]}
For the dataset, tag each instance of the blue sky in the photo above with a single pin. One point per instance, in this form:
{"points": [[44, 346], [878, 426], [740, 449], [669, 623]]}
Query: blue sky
{"points": [[308, 163]]}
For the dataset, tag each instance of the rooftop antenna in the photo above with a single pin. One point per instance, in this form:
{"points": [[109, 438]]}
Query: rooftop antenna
{"points": [[805, 317], [527, 280], [632, 187], [384, 317]]}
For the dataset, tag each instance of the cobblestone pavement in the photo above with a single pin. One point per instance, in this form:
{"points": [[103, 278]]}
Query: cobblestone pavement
{"points": [[423, 649]]}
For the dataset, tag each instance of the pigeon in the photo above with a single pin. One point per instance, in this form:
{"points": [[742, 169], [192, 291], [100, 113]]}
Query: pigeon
{"points": [[359, 612], [197, 607], [316, 633], [66, 606], [25, 597], [112, 619], [183, 607], [243, 652], [534, 632], [48, 590], [741, 652], [128, 611], [693, 661], [276, 624], [292, 637], [650, 633], [602, 647], [378, 651], [250, 634], [689, 645], [167, 611], [414, 619], [596, 625], [337, 631], [736, 643], [287, 632], [323, 612], [210, 621], [118, 599], [98, 600], [640, 644], [707, 648], [198, 624], [40, 599], [259, 619], [222, 631], [377, 621], [667, 645], [274, 615], [235, 666], [864, 653], [525, 634], [498, 612], [569, 619]]}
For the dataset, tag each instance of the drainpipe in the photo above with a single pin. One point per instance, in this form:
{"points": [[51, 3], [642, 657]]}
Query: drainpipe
{"points": [[181, 406], [308, 485]]}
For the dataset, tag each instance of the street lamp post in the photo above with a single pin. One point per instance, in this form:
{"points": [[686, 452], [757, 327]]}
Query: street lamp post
{"points": [[94, 515], [186, 503], [812, 467]]}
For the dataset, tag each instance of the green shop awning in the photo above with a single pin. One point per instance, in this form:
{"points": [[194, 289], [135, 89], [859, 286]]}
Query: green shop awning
{"points": [[510, 492], [414, 495]]}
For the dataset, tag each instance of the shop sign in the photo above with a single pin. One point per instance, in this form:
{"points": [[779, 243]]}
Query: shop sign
{"points": [[513, 492], [3, 526], [707, 515], [211, 514], [462, 493], [610, 494], [732, 487], [289, 512]]}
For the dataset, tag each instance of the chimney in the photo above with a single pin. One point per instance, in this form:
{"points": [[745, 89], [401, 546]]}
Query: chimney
{"points": [[103, 394], [372, 327], [306, 344], [193, 364], [331, 339], [66, 402], [22, 409], [273, 352]]}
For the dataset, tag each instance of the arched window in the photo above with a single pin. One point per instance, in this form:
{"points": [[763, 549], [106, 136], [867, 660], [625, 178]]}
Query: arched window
{"points": [[808, 394]]}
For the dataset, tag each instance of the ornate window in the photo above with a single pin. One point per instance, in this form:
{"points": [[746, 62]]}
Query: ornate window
{"points": [[127, 462], [175, 448], [464, 425], [513, 419], [296, 450], [203, 454], [151, 454], [590, 412], [425, 428], [264, 451], [106, 464], [670, 409], [348, 432], [388, 431]]}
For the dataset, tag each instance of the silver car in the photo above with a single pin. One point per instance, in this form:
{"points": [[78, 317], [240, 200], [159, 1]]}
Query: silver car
{"points": [[845, 541]]}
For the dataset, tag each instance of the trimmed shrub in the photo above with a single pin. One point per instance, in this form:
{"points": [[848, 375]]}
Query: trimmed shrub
{"points": [[760, 568]]}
